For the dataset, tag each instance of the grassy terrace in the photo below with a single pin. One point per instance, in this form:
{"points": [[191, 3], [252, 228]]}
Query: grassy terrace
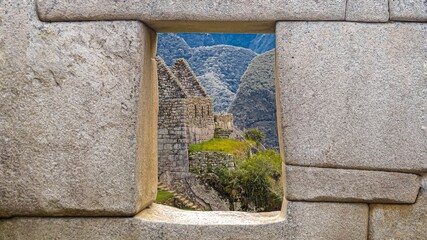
{"points": [[222, 145], [163, 196]]}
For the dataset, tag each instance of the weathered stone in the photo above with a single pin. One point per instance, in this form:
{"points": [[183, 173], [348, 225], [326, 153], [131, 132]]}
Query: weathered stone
{"points": [[196, 189], [185, 112], [353, 95], [331, 221], [183, 72], [343, 185], [306, 221], [77, 106], [200, 162], [408, 10], [400, 221], [195, 15], [367, 11]]}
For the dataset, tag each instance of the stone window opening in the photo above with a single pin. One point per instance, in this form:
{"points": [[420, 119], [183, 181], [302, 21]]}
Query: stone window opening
{"points": [[185, 127]]}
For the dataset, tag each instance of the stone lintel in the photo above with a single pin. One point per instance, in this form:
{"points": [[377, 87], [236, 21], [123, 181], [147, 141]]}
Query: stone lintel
{"points": [[195, 15], [367, 11]]}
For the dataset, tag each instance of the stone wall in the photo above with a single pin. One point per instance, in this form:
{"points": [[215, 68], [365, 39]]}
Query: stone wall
{"points": [[223, 133], [224, 120], [173, 138], [202, 161], [78, 107], [199, 114], [185, 115], [180, 126], [188, 79]]}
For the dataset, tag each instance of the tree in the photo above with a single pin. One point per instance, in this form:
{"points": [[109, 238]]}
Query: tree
{"points": [[255, 134]]}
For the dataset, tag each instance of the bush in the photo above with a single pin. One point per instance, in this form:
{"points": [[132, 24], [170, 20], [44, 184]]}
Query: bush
{"points": [[255, 134], [255, 182]]}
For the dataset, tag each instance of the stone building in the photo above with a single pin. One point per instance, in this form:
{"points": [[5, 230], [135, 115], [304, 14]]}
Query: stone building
{"points": [[185, 115]]}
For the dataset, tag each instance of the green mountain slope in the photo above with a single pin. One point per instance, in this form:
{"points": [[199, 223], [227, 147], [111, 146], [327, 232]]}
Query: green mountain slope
{"points": [[255, 104], [219, 67]]}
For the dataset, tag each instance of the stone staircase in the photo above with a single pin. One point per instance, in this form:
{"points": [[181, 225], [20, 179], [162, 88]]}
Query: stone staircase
{"points": [[183, 199]]}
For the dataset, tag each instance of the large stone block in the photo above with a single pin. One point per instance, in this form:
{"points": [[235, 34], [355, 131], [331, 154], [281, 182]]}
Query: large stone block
{"points": [[353, 95], [77, 110], [196, 15], [408, 10], [400, 221], [328, 221], [343, 185], [367, 11], [306, 221]]}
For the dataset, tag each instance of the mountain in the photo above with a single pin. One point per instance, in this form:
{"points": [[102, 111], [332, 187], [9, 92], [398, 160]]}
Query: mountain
{"points": [[263, 43], [171, 47], [228, 62], [255, 102], [222, 96], [258, 43], [219, 67]]}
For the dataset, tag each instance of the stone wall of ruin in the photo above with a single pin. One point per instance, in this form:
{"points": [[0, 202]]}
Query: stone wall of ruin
{"points": [[173, 140], [200, 120], [224, 121], [179, 126], [201, 162], [78, 125]]}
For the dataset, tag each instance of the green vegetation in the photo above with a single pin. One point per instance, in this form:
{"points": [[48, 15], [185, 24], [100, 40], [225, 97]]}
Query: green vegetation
{"points": [[167, 198], [163, 196], [255, 135], [229, 146], [255, 102], [255, 183]]}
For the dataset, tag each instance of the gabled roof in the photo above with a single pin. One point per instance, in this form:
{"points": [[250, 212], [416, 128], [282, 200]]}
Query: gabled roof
{"points": [[188, 79], [169, 85]]}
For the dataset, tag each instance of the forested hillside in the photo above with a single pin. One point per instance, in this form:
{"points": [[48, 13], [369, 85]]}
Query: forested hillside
{"points": [[254, 105], [258, 43], [219, 67]]}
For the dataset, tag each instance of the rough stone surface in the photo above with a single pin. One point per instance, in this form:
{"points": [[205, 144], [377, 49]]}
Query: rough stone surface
{"points": [[224, 121], [77, 102], [327, 221], [203, 162], [185, 115], [306, 221], [400, 221], [342, 185], [408, 10], [367, 11], [353, 95], [205, 16]]}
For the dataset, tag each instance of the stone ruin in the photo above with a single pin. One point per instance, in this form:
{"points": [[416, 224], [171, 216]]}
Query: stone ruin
{"points": [[79, 105], [185, 115], [224, 121]]}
